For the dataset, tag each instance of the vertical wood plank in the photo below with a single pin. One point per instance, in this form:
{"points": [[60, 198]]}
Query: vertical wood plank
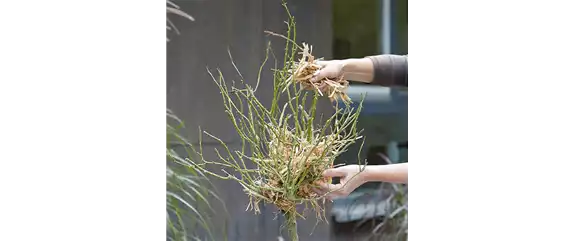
{"points": [[237, 25]]}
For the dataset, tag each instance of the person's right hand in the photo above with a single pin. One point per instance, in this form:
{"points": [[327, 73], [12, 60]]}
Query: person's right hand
{"points": [[330, 69], [352, 177]]}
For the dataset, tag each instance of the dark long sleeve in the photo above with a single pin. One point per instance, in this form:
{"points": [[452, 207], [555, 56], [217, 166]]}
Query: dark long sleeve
{"points": [[390, 70]]}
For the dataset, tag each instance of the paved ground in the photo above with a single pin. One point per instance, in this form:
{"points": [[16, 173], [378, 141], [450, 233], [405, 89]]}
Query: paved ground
{"points": [[355, 231]]}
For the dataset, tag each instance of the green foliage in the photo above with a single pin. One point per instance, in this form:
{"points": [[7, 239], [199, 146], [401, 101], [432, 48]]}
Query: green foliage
{"points": [[394, 226], [187, 190]]}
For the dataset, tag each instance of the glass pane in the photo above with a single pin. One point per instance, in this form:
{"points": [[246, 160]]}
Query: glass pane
{"points": [[401, 26], [356, 28]]}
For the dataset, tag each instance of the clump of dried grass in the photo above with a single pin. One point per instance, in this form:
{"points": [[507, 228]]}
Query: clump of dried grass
{"points": [[304, 70], [288, 149], [292, 169]]}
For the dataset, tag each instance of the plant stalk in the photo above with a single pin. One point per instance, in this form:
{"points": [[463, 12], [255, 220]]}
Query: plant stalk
{"points": [[292, 226]]}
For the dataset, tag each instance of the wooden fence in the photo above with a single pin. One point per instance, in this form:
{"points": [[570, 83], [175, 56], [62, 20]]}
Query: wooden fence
{"points": [[238, 25]]}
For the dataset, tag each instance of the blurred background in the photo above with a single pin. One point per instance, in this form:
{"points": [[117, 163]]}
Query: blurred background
{"points": [[337, 29]]}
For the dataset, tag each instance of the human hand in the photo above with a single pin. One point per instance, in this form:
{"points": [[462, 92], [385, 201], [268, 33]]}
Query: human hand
{"points": [[352, 176], [330, 69]]}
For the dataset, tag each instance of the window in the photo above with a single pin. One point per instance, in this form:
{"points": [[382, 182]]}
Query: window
{"points": [[401, 26], [358, 28]]}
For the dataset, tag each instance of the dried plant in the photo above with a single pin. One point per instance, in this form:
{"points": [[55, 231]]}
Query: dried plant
{"points": [[289, 150], [394, 225], [187, 188], [174, 9], [306, 68]]}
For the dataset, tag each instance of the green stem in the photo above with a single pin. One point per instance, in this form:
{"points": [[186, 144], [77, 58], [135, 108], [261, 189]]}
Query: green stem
{"points": [[292, 226]]}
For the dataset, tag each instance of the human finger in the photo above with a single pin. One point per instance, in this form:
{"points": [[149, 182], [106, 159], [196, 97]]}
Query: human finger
{"points": [[328, 187], [322, 63], [334, 172], [322, 72], [316, 76], [330, 191], [320, 191]]}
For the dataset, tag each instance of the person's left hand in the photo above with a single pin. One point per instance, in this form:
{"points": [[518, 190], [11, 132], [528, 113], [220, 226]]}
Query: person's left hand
{"points": [[352, 176]]}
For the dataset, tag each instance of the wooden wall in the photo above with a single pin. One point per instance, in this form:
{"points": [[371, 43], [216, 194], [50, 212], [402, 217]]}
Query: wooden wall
{"points": [[194, 97]]}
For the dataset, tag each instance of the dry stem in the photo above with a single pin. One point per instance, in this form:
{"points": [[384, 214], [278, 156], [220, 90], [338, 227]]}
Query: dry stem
{"points": [[289, 150], [305, 70]]}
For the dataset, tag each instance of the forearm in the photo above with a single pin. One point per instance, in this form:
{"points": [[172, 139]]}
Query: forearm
{"points": [[393, 173], [383, 70], [361, 70]]}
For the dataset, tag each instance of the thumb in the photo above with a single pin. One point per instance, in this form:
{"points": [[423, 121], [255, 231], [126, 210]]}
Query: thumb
{"points": [[320, 73], [321, 63], [317, 76], [333, 172]]}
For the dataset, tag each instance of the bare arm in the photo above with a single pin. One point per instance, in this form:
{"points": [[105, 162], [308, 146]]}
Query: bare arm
{"points": [[361, 70], [394, 173], [384, 70], [353, 176]]}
